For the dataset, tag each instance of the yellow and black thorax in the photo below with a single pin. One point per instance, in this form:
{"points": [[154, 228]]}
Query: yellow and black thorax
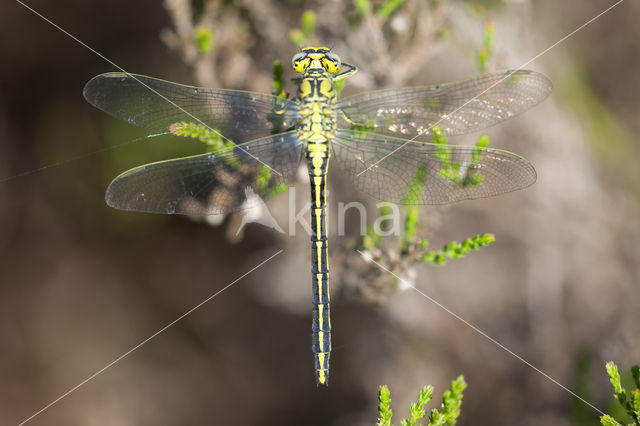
{"points": [[316, 95]]}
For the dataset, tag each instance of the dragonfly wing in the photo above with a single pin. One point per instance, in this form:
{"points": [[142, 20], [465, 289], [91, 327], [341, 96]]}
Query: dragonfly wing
{"points": [[411, 172], [212, 183], [461, 107], [155, 105]]}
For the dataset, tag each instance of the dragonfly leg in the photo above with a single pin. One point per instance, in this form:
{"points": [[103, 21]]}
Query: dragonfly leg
{"points": [[343, 74], [346, 118]]}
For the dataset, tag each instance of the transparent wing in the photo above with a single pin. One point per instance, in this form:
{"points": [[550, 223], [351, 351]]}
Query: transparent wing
{"points": [[458, 108], [157, 104], [396, 170], [206, 184]]}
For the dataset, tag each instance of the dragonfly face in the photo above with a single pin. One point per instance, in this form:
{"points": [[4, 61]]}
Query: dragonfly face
{"points": [[316, 58], [380, 139]]}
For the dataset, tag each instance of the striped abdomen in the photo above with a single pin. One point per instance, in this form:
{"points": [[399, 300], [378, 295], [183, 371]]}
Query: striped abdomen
{"points": [[318, 164]]}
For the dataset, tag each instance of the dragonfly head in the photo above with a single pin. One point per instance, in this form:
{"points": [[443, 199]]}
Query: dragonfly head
{"points": [[316, 58]]}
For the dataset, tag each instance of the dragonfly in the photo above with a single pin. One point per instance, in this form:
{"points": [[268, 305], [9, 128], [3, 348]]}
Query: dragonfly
{"points": [[382, 140]]}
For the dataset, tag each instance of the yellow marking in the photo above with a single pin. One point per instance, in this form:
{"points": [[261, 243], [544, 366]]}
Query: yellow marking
{"points": [[317, 137], [321, 378], [317, 180], [315, 62], [329, 65], [301, 65], [319, 253], [325, 88], [317, 196], [305, 88], [318, 222], [319, 278], [317, 147], [321, 327], [317, 162]]}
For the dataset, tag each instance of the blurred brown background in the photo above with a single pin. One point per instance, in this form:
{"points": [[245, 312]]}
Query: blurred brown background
{"points": [[80, 283]]}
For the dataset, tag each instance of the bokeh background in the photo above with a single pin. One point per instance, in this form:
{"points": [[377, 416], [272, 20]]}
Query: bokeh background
{"points": [[81, 284]]}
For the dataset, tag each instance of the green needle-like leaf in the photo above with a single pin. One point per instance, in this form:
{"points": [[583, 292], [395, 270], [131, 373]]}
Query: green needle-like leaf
{"points": [[417, 410], [452, 400], [436, 418], [618, 390], [607, 420], [384, 406], [456, 250]]}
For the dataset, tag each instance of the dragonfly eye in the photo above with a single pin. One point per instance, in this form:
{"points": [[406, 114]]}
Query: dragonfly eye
{"points": [[331, 62], [300, 62]]}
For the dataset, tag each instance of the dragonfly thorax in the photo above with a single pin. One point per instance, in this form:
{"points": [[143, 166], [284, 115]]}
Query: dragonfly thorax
{"points": [[316, 99]]}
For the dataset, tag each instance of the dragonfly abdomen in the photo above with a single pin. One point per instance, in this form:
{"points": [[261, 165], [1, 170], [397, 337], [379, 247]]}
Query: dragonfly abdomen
{"points": [[318, 163]]}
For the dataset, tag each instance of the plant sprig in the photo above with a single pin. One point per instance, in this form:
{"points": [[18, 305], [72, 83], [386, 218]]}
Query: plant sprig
{"points": [[630, 401], [447, 415]]}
